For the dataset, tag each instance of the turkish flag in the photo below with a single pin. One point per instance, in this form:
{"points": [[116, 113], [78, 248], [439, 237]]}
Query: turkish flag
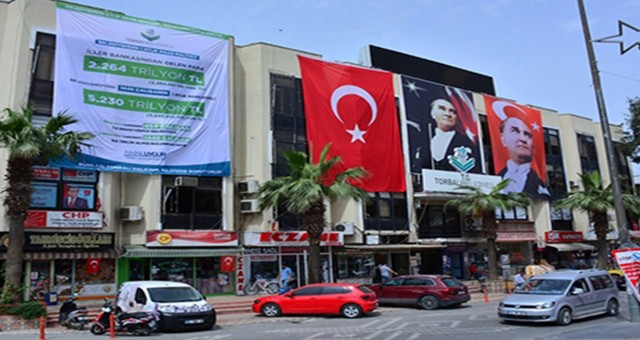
{"points": [[93, 265], [227, 264], [354, 109]]}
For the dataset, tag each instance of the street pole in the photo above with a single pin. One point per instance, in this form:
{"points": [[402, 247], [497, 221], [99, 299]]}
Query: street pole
{"points": [[621, 215]]}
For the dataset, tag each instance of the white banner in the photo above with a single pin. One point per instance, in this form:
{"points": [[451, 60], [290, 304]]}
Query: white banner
{"points": [[448, 181], [63, 219], [156, 95]]}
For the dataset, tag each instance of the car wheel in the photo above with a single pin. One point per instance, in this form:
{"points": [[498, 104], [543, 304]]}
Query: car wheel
{"points": [[429, 302], [271, 309], [564, 317], [613, 307], [351, 311]]}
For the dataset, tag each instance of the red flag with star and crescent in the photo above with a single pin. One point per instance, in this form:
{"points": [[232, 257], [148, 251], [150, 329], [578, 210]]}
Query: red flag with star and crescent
{"points": [[354, 109]]}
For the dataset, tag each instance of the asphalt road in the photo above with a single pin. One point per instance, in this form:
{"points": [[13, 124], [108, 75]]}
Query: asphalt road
{"points": [[475, 320]]}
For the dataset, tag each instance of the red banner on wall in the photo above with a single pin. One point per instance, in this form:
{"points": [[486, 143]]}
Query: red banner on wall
{"points": [[187, 238], [93, 265]]}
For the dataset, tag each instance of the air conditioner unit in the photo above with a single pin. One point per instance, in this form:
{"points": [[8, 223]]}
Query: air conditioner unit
{"points": [[183, 181], [248, 187], [373, 239], [347, 228], [132, 213], [249, 206]]}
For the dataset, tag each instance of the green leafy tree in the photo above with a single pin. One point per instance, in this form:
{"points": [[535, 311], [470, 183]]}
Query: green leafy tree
{"points": [[595, 199], [478, 203], [631, 140], [305, 191], [27, 143]]}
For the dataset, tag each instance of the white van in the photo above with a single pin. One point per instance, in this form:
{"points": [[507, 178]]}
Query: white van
{"points": [[179, 305]]}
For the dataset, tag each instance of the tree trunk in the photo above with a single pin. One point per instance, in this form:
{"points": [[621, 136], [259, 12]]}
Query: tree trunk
{"points": [[17, 201], [601, 226], [13, 271], [489, 226], [314, 223]]}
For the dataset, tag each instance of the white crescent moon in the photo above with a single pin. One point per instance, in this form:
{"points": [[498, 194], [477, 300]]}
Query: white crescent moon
{"points": [[93, 263], [345, 90], [498, 108]]}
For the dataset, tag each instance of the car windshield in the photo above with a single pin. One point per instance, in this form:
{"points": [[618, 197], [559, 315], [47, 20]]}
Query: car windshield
{"points": [[174, 294], [544, 286]]}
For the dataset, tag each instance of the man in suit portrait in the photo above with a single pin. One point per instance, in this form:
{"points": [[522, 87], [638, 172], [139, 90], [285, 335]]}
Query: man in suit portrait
{"points": [[71, 199], [516, 136], [446, 138]]}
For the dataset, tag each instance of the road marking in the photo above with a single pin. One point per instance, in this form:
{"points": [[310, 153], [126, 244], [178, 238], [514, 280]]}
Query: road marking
{"points": [[394, 335], [455, 324], [385, 325], [315, 336], [373, 335], [414, 336], [369, 324]]}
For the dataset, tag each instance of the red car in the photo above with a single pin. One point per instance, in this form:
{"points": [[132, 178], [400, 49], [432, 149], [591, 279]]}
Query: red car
{"points": [[426, 291], [348, 300]]}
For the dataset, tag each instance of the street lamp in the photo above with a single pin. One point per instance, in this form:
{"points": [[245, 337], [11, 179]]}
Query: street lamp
{"points": [[621, 216]]}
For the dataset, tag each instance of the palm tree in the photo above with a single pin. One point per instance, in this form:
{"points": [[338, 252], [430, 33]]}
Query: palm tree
{"points": [[596, 200], [28, 143], [304, 192], [477, 203]]}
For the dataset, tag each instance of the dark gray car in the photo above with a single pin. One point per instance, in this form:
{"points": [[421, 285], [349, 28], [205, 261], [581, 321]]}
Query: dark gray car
{"points": [[562, 296]]}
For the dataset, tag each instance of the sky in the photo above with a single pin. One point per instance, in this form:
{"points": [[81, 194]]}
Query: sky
{"points": [[534, 49]]}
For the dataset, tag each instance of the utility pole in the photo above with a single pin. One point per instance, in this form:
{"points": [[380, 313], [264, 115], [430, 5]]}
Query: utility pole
{"points": [[621, 215]]}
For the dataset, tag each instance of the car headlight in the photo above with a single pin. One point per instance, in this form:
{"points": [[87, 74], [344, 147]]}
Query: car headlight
{"points": [[501, 304], [545, 305]]}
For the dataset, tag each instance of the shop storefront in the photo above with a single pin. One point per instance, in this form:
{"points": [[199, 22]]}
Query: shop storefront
{"points": [[514, 244], [205, 260], [565, 249], [266, 251], [68, 263]]}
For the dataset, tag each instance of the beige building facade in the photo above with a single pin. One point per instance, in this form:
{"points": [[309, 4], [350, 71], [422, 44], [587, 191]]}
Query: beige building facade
{"points": [[140, 218]]}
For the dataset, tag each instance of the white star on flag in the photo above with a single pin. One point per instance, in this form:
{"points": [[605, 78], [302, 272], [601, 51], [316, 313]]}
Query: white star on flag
{"points": [[414, 88], [357, 134], [536, 127]]}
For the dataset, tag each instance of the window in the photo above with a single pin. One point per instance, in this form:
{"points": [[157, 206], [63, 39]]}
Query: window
{"points": [[192, 208], [418, 282], [386, 211], [561, 219], [486, 145], [306, 291], [436, 221], [140, 298], [42, 69], [334, 290], [588, 154], [289, 134], [556, 180], [623, 169], [63, 189], [517, 213], [581, 284], [393, 283]]}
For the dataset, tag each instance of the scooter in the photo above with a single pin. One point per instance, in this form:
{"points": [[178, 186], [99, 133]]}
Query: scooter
{"points": [[71, 316], [134, 324]]}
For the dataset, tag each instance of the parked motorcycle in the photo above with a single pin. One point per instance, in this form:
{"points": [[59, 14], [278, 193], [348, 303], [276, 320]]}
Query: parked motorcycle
{"points": [[134, 323], [71, 316]]}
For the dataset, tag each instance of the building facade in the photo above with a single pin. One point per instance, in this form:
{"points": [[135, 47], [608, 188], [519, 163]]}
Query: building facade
{"points": [[209, 232]]}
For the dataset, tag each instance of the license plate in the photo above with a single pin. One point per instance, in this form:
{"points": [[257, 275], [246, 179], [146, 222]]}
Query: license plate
{"points": [[516, 313], [193, 322]]}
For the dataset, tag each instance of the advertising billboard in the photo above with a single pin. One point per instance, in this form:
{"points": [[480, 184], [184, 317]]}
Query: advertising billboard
{"points": [[517, 146], [154, 94], [443, 127]]}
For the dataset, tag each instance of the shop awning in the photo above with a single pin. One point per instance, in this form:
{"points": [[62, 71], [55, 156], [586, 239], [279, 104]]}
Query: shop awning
{"points": [[138, 251], [576, 246], [374, 247], [41, 255]]}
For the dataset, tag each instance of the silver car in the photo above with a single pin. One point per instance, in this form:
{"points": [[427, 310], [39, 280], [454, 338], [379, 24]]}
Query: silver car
{"points": [[562, 296]]}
